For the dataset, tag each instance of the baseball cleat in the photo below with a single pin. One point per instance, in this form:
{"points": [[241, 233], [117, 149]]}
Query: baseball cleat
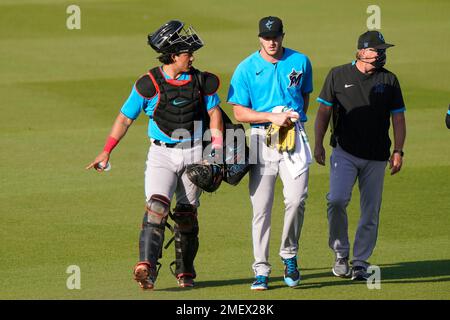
{"points": [[142, 274], [291, 273], [261, 283], [185, 282], [359, 273], [341, 268]]}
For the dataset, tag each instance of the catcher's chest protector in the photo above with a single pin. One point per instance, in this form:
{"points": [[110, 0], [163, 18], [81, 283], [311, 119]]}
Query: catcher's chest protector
{"points": [[179, 104]]}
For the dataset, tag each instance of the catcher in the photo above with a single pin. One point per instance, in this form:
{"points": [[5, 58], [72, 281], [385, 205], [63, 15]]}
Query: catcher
{"points": [[179, 100], [270, 77]]}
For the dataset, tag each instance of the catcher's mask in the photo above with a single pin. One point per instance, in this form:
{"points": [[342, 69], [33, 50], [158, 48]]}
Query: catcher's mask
{"points": [[208, 177], [173, 37]]}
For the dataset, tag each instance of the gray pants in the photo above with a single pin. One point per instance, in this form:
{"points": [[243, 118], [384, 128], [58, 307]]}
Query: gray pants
{"points": [[344, 170], [263, 176], [165, 173]]}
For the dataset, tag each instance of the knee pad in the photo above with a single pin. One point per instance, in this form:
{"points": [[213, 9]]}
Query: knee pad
{"points": [[185, 217], [157, 209]]}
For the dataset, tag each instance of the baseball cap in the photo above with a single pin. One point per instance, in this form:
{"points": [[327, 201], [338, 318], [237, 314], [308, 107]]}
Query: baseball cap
{"points": [[270, 27], [372, 39]]}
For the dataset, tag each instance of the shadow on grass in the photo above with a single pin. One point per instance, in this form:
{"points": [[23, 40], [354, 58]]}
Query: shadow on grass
{"points": [[223, 283], [431, 271], [402, 273]]}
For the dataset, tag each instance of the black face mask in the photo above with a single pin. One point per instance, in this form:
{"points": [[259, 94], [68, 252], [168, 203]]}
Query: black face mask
{"points": [[380, 61]]}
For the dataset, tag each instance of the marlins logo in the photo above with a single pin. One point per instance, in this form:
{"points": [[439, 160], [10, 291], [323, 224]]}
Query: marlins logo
{"points": [[294, 78], [269, 24]]}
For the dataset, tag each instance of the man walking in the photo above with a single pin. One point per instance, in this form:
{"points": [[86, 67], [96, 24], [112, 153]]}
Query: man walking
{"points": [[361, 98], [177, 103], [273, 78]]}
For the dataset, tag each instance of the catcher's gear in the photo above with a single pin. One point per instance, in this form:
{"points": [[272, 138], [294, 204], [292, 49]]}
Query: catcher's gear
{"points": [[151, 238], [281, 138], [157, 208], [236, 164], [235, 153], [172, 37], [207, 177], [186, 240], [145, 275]]}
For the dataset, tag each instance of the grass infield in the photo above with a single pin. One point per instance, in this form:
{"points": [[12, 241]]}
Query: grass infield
{"points": [[61, 89]]}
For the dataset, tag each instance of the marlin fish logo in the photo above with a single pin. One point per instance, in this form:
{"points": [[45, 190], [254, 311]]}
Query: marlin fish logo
{"points": [[294, 78], [269, 24]]}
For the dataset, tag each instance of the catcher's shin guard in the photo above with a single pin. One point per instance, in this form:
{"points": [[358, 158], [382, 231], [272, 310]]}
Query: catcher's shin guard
{"points": [[186, 240], [152, 234]]}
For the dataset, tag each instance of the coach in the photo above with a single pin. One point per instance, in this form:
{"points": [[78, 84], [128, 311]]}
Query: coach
{"points": [[361, 98]]}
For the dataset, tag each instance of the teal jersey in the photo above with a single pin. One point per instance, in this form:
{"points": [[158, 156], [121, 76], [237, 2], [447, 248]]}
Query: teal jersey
{"points": [[261, 85]]}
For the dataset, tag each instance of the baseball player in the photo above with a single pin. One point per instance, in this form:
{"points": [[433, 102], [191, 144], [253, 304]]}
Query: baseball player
{"points": [[361, 98], [271, 77], [178, 99], [447, 118]]}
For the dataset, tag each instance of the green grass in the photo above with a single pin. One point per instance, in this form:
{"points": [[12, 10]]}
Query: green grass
{"points": [[60, 91]]}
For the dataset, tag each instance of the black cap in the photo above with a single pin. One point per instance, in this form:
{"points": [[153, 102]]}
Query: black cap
{"points": [[270, 27], [372, 39]]}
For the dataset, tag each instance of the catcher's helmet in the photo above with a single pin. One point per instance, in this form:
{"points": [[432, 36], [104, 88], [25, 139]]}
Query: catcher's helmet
{"points": [[172, 37]]}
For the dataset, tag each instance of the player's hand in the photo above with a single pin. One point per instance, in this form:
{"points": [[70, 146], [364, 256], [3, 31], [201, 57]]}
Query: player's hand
{"points": [[283, 119], [101, 159], [395, 163], [215, 155], [319, 154]]}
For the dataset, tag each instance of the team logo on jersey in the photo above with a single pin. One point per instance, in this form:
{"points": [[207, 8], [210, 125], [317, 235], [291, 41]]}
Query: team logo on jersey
{"points": [[294, 78], [269, 24]]}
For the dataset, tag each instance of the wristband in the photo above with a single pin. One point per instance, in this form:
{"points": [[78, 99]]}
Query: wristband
{"points": [[217, 142], [111, 143]]}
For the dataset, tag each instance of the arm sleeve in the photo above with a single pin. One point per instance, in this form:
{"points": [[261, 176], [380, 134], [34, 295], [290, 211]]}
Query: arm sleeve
{"points": [[398, 105], [238, 92], [134, 104], [307, 85], [327, 95]]}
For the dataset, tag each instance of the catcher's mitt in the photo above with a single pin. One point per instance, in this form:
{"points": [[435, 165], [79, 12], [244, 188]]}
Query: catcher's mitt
{"points": [[208, 177], [281, 138]]}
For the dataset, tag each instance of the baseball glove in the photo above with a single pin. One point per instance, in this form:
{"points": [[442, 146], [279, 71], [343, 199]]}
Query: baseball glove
{"points": [[281, 138], [208, 177]]}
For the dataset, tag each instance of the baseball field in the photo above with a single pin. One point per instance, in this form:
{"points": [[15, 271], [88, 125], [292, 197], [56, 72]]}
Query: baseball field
{"points": [[61, 89]]}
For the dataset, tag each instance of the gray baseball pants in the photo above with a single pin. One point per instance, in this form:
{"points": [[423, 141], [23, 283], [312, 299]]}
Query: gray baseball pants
{"points": [[165, 173], [263, 175], [344, 170]]}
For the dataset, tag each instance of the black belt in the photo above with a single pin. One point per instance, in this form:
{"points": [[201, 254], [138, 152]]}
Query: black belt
{"points": [[184, 144]]}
